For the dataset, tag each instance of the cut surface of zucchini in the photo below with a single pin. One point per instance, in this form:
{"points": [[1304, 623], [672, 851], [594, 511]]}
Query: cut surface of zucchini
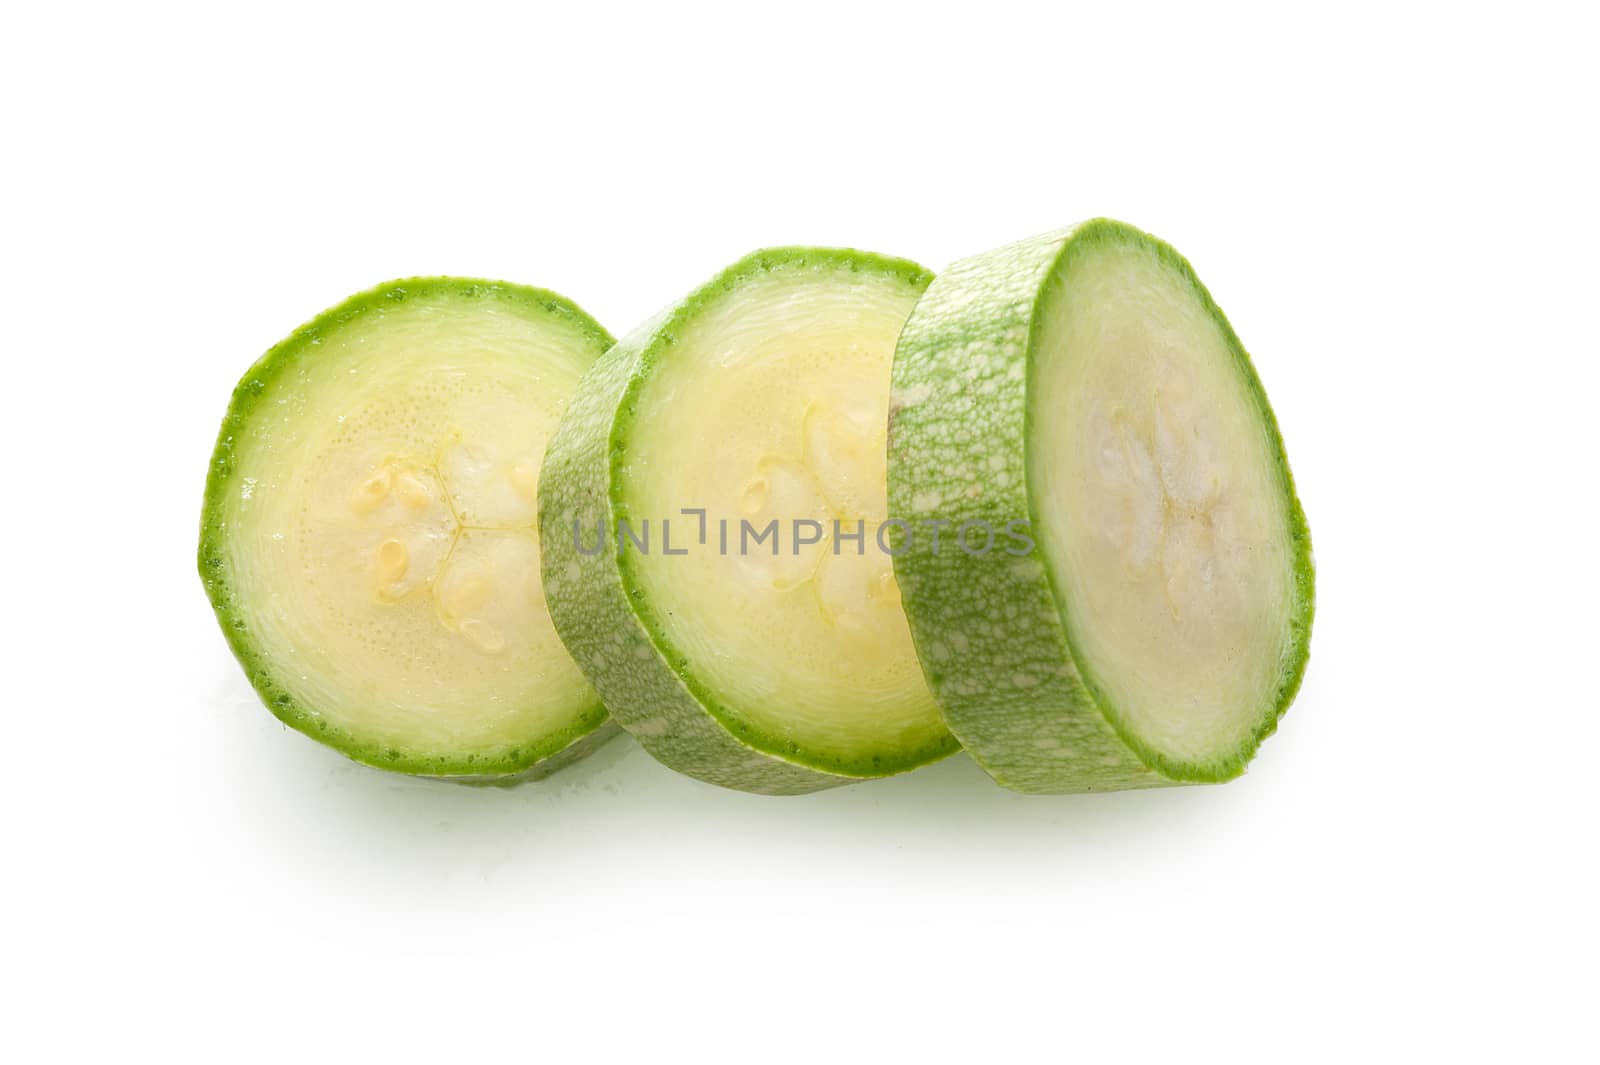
{"points": [[1085, 383], [369, 539], [755, 640]]}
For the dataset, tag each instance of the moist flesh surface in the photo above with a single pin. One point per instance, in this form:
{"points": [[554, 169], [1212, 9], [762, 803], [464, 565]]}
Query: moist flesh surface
{"points": [[1163, 510], [772, 407], [378, 532]]}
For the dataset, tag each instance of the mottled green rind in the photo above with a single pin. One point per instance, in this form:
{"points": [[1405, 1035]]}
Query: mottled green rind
{"points": [[990, 632], [513, 765], [598, 603]]}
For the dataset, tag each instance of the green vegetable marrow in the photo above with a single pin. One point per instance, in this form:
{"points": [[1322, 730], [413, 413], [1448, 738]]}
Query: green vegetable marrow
{"points": [[369, 537], [1084, 385], [709, 508]]}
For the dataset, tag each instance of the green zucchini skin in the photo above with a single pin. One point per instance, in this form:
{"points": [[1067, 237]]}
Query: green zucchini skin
{"points": [[595, 599], [530, 762], [989, 631]]}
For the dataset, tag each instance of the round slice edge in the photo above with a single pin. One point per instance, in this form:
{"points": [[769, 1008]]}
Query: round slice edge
{"points": [[369, 538], [1157, 624], [711, 508]]}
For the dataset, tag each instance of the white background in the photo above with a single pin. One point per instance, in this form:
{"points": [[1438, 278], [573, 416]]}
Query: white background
{"points": [[1396, 205]]}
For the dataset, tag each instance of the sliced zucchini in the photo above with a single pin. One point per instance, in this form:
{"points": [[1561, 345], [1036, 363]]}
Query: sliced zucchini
{"points": [[369, 538], [1149, 620], [688, 507]]}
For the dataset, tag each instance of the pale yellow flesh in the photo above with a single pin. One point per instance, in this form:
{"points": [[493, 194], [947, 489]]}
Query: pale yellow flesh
{"points": [[1156, 483], [773, 405], [385, 536]]}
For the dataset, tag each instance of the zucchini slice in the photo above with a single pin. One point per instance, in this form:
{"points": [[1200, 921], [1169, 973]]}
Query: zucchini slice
{"points": [[1148, 620], [369, 539], [709, 507]]}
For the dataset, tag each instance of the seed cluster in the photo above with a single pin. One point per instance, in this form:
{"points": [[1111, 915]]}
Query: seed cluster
{"points": [[402, 491]]}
